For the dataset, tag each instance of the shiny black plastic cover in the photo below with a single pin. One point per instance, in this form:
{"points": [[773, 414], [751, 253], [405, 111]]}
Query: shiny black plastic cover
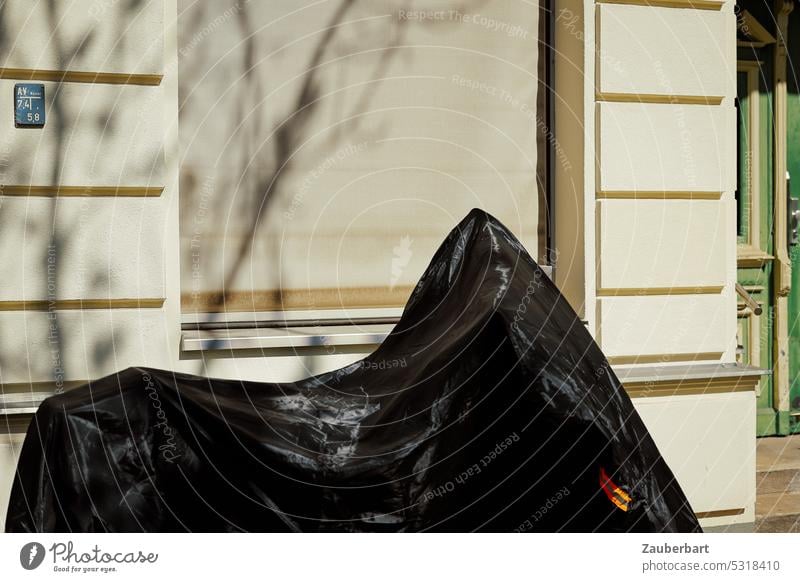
{"points": [[488, 408]]}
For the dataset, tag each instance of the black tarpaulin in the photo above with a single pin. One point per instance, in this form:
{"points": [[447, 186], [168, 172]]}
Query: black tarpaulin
{"points": [[488, 408]]}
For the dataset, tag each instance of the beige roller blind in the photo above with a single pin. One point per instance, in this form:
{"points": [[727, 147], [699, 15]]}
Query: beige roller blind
{"points": [[328, 147]]}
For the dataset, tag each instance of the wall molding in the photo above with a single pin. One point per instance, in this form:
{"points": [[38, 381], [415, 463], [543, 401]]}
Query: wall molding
{"points": [[719, 513], [657, 195], [691, 387], [663, 99], [691, 4], [81, 304], [63, 76], [748, 256], [80, 191], [639, 291], [296, 299], [664, 358]]}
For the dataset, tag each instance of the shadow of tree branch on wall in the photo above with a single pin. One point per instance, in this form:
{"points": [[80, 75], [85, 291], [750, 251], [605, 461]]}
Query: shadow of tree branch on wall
{"points": [[267, 148]]}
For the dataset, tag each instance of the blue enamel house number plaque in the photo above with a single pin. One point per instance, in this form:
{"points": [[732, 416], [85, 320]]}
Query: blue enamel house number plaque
{"points": [[29, 105]]}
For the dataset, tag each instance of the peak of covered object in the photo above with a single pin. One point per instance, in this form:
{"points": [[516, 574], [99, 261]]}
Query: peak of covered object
{"points": [[481, 258]]}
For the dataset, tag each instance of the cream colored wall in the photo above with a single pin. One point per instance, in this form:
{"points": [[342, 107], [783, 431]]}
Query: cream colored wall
{"points": [[10, 444], [708, 442], [654, 50], [109, 36], [112, 249], [102, 148], [660, 89], [663, 197], [91, 245], [647, 244]]}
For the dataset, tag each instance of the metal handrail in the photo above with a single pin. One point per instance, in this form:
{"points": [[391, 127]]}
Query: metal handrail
{"points": [[748, 299]]}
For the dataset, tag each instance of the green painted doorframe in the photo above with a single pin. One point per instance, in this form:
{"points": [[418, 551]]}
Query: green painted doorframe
{"points": [[754, 224], [793, 167], [782, 268], [768, 111]]}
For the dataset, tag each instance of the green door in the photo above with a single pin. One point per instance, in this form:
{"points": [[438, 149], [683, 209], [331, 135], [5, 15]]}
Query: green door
{"points": [[760, 243], [754, 224]]}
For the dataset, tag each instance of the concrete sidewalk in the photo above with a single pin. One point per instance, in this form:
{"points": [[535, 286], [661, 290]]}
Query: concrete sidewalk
{"points": [[778, 484]]}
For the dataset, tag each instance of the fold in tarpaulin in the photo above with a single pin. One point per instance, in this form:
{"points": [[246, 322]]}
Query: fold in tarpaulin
{"points": [[488, 408]]}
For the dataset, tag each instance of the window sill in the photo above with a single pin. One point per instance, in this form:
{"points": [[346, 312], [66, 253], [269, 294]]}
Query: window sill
{"points": [[686, 372], [285, 337], [689, 379]]}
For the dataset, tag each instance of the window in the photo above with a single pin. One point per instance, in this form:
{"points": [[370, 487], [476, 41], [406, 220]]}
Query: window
{"points": [[328, 147]]}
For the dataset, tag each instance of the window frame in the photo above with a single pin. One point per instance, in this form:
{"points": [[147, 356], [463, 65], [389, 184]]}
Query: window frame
{"points": [[223, 330]]}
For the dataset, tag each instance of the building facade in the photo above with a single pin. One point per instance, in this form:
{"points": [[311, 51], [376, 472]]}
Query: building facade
{"points": [[123, 214]]}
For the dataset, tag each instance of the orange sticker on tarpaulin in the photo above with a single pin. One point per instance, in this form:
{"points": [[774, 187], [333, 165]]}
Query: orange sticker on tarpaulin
{"points": [[617, 496]]}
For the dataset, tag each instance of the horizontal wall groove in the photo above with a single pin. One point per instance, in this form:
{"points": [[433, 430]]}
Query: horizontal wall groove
{"points": [[81, 304], [80, 77], [657, 195], [650, 390], [80, 191], [691, 4], [719, 513], [659, 98], [638, 291], [296, 299], [664, 358]]}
